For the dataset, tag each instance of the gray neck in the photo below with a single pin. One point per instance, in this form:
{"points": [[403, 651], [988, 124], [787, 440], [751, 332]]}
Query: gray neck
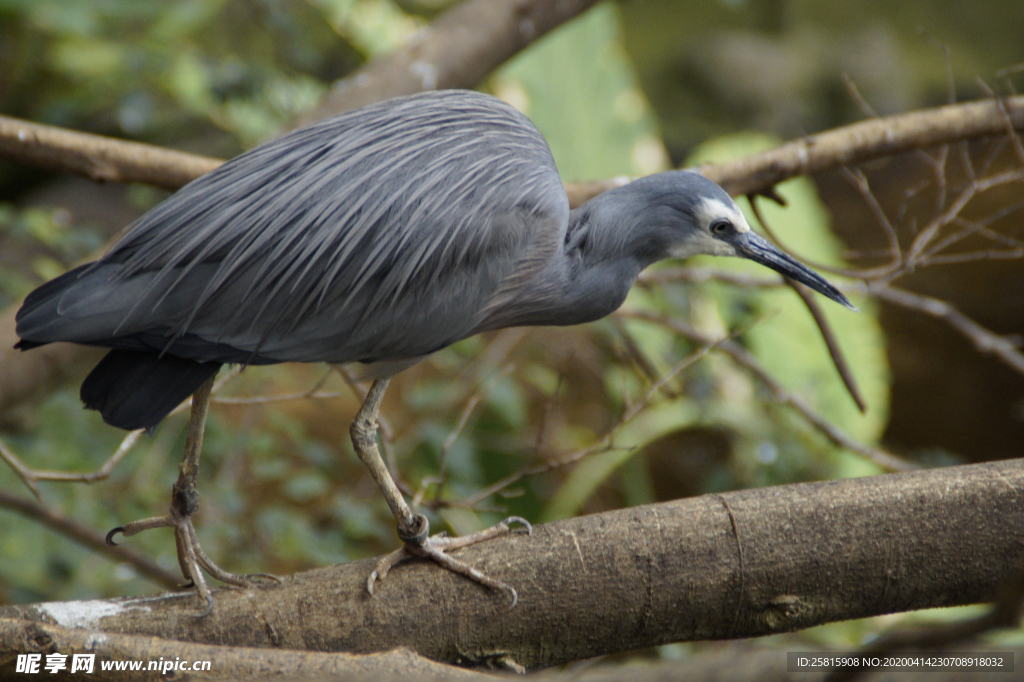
{"points": [[606, 246]]}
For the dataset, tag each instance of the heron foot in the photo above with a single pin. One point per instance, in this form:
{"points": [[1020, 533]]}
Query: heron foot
{"points": [[191, 558], [419, 543]]}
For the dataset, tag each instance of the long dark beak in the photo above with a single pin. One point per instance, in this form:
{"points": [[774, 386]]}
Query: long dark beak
{"points": [[750, 245]]}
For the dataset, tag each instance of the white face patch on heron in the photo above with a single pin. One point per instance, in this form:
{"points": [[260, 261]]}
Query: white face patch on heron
{"points": [[710, 210], [702, 241]]}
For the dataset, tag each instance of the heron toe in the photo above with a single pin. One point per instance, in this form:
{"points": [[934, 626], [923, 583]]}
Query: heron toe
{"points": [[191, 558], [435, 547]]}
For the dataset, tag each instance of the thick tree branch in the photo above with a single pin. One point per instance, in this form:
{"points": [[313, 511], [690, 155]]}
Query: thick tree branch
{"points": [[226, 663], [108, 158], [99, 158], [871, 139], [737, 663], [739, 564], [458, 50]]}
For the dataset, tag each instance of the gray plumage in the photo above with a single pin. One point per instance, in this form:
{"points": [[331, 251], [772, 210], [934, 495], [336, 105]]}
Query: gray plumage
{"points": [[378, 236]]}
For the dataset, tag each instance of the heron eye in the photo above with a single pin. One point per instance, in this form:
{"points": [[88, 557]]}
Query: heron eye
{"points": [[720, 227]]}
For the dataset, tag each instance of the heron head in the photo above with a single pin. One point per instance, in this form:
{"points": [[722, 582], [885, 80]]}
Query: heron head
{"points": [[715, 225]]}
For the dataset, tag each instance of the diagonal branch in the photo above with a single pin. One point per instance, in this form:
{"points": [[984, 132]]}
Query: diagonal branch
{"points": [[779, 392], [458, 50], [866, 140], [99, 158], [1004, 348], [107, 158], [828, 336], [89, 538], [635, 577]]}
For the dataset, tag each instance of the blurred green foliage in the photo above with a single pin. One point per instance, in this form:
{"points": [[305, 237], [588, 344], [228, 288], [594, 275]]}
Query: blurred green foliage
{"points": [[787, 339], [49, 235], [169, 72], [711, 68], [281, 489], [579, 87]]}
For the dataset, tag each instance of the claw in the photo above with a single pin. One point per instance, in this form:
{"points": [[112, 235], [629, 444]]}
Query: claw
{"points": [[111, 534], [209, 607], [515, 596], [521, 521], [437, 548], [184, 502], [266, 576]]}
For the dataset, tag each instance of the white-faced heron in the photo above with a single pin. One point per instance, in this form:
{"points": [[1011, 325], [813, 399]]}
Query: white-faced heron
{"points": [[378, 236]]}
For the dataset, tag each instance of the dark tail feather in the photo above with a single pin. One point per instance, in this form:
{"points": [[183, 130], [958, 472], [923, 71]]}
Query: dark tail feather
{"points": [[135, 390], [43, 296]]}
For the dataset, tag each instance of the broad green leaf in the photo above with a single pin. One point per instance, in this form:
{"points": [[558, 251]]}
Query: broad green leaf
{"points": [[651, 424], [787, 341], [375, 26], [578, 86]]}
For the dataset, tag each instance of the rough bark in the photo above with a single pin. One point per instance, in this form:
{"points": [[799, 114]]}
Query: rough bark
{"points": [[739, 564], [226, 663], [739, 662], [747, 662]]}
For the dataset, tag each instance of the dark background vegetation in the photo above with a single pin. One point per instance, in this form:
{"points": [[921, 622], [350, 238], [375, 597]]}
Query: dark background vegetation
{"points": [[628, 88]]}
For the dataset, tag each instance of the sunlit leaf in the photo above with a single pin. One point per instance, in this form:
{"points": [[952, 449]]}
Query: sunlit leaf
{"points": [[578, 86], [786, 339]]}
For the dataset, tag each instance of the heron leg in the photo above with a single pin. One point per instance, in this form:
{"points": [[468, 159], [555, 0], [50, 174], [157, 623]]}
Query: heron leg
{"points": [[414, 529], [184, 503]]}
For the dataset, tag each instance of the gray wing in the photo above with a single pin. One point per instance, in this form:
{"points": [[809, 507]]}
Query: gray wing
{"points": [[383, 233]]}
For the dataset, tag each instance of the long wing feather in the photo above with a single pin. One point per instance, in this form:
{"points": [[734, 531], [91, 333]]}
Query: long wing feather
{"points": [[339, 232]]}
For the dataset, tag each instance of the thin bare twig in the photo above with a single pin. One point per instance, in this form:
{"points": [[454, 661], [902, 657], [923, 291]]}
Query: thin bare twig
{"points": [[639, 360], [1008, 121], [984, 340], [23, 472], [603, 444], [30, 476], [313, 392], [936, 237], [127, 443], [860, 181], [1004, 347], [781, 394], [854, 93], [467, 411], [831, 343], [827, 335], [88, 537]]}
